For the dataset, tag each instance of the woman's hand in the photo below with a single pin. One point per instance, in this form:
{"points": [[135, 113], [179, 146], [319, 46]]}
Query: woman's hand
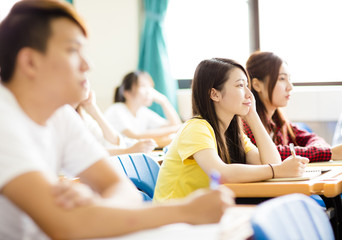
{"points": [[208, 206], [89, 102], [291, 167], [252, 110], [157, 96], [70, 194], [143, 146]]}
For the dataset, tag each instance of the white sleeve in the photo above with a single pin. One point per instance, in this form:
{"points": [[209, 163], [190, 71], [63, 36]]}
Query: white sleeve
{"points": [[118, 117], [80, 149], [17, 153], [154, 119]]}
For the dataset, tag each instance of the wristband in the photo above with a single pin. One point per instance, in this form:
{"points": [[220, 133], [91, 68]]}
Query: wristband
{"points": [[272, 170]]}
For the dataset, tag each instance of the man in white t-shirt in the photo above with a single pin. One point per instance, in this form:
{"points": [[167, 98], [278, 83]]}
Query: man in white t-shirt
{"points": [[42, 68]]}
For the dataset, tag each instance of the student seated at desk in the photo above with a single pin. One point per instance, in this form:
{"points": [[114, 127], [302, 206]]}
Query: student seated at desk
{"points": [[43, 71], [113, 141], [130, 116], [213, 140], [271, 86]]}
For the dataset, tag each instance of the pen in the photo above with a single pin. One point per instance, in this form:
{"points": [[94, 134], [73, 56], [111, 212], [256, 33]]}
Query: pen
{"points": [[292, 150], [214, 179]]}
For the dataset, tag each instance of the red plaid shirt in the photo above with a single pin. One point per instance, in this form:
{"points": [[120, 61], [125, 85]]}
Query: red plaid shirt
{"points": [[310, 145]]}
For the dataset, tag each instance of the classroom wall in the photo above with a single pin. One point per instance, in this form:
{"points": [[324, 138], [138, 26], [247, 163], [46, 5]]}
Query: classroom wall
{"points": [[113, 48], [318, 107]]}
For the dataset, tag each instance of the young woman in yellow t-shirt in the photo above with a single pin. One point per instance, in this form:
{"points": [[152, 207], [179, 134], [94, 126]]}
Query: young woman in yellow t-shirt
{"points": [[214, 141]]}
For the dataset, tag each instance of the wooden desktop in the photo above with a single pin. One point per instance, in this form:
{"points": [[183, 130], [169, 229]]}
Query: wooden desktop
{"points": [[327, 185]]}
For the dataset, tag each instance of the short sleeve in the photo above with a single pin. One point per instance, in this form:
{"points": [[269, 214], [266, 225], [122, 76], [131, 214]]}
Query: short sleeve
{"points": [[195, 136], [17, 153], [247, 143]]}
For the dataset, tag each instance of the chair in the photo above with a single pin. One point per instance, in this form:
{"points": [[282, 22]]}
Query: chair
{"points": [[141, 169], [294, 216]]}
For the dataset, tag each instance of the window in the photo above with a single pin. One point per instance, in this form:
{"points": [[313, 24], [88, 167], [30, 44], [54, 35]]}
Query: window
{"points": [[5, 7], [307, 34], [200, 29]]}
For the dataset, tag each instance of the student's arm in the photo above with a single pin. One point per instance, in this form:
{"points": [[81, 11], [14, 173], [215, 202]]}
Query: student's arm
{"points": [[267, 151], [31, 192], [208, 160], [142, 146], [170, 113], [316, 150], [162, 135], [152, 133], [104, 179], [90, 106]]}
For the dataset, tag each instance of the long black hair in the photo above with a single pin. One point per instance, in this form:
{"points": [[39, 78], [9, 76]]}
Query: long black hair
{"points": [[265, 67], [130, 79], [213, 73]]}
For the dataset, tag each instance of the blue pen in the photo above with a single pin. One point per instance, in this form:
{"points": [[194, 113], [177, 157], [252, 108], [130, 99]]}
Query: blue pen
{"points": [[214, 179]]}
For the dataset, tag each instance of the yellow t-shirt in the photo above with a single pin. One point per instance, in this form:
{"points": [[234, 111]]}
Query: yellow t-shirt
{"points": [[180, 174]]}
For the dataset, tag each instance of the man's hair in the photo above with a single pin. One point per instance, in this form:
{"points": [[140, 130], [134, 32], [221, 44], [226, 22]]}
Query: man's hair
{"points": [[29, 25]]}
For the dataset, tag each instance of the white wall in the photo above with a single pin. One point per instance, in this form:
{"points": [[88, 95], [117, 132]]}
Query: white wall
{"points": [[315, 103], [113, 50], [319, 107]]}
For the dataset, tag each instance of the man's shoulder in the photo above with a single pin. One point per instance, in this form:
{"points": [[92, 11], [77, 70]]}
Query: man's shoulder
{"points": [[11, 113], [65, 117]]}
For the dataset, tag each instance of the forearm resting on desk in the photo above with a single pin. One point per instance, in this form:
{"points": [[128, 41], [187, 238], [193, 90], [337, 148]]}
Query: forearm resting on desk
{"points": [[97, 220]]}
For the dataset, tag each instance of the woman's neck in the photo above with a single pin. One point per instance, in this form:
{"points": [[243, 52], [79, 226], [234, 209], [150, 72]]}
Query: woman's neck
{"points": [[224, 121], [270, 110]]}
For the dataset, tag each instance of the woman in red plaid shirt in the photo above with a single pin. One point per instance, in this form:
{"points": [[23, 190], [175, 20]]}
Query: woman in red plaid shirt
{"points": [[271, 86]]}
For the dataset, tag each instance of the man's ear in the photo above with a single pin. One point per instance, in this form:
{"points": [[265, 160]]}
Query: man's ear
{"points": [[214, 95], [28, 61], [257, 84]]}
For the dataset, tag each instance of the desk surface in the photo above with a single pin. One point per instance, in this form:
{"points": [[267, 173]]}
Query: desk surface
{"points": [[327, 163], [157, 155], [328, 184]]}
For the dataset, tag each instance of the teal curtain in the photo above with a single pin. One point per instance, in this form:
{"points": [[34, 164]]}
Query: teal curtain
{"points": [[153, 56]]}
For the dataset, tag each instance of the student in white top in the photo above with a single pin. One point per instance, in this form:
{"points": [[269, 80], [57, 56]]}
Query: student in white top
{"points": [[130, 116], [113, 141], [42, 71]]}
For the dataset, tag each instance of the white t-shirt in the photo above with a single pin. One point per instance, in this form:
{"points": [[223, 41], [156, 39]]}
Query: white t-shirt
{"points": [[63, 145], [120, 118], [96, 130]]}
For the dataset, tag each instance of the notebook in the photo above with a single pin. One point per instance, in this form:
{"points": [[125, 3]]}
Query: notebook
{"points": [[309, 173]]}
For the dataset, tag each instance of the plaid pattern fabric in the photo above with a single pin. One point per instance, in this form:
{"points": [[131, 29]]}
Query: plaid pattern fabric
{"points": [[310, 145]]}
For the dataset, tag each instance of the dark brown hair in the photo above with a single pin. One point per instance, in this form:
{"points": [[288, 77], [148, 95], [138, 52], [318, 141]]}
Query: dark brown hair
{"points": [[265, 67], [129, 80], [29, 25], [213, 73]]}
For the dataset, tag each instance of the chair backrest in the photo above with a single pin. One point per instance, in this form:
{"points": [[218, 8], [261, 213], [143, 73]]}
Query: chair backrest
{"points": [[294, 216], [141, 169], [303, 126]]}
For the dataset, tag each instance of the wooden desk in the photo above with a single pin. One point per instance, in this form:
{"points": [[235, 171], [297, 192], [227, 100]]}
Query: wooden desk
{"points": [[157, 155], [327, 185], [327, 163]]}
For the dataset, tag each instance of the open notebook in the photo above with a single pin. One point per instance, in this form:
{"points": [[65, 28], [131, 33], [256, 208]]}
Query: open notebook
{"points": [[309, 173]]}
